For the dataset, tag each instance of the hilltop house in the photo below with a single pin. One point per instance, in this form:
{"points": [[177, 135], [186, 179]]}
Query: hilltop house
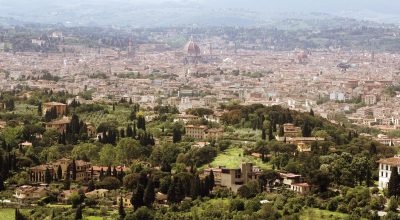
{"points": [[233, 179], [60, 108], [385, 170], [202, 132]]}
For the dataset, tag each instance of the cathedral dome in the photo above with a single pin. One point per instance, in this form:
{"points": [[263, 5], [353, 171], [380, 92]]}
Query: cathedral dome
{"points": [[192, 49]]}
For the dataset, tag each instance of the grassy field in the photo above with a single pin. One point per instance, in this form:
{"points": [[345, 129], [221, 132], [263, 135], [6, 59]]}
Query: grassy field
{"points": [[7, 214], [22, 108], [120, 115], [313, 214], [233, 157]]}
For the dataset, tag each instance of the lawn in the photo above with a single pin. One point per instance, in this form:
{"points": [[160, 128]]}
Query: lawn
{"points": [[312, 213], [233, 157], [7, 214], [120, 115], [93, 218], [22, 108]]}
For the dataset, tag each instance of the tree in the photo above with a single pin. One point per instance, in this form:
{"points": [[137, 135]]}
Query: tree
{"points": [[1, 183], [40, 109], [394, 183], [108, 171], [143, 213], [137, 197], [263, 134], [109, 182], [101, 176], [149, 193], [107, 155], [176, 135], [270, 135], [78, 214], [73, 170], [195, 187], [47, 176], [312, 112], [59, 173], [306, 129], [212, 180], [281, 131], [18, 215], [127, 150], [244, 192], [393, 204], [121, 210], [91, 186]]}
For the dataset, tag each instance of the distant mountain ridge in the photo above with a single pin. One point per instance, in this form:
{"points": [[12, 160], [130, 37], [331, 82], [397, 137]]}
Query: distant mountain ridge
{"points": [[165, 13]]}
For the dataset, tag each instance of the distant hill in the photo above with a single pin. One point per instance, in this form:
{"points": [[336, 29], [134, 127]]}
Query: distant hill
{"points": [[161, 13]]}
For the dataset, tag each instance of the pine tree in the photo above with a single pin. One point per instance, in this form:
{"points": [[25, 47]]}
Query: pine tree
{"points": [[121, 210], [137, 197], [149, 193], [394, 183], [78, 214]]}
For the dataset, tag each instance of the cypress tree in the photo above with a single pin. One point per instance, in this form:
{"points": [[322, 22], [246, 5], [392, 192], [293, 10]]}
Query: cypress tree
{"points": [[121, 210], [137, 197], [40, 110], [2, 187], [394, 183], [270, 135], [73, 170], [212, 180], [47, 176], [108, 172], [281, 131], [171, 196], [195, 187], [59, 173], [115, 173], [263, 134], [149, 193], [91, 186], [176, 135], [129, 131], [311, 112], [78, 214], [101, 174]]}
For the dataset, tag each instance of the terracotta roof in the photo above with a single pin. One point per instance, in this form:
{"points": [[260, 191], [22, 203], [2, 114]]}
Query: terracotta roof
{"points": [[393, 161], [54, 103]]}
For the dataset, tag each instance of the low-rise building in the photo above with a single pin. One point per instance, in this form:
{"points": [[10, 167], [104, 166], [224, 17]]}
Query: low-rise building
{"points": [[385, 170]]}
